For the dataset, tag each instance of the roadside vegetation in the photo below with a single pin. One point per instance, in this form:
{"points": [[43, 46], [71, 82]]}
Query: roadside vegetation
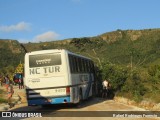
{"points": [[140, 84]]}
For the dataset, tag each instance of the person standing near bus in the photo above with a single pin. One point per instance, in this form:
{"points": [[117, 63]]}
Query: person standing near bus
{"points": [[105, 85], [7, 81], [20, 82], [10, 92]]}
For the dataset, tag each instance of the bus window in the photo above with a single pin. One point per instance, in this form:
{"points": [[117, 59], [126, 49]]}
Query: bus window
{"points": [[91, 66], [41, 60], [88, 66], [85, 65], [82, 65], [76, 64], [71, 64]]}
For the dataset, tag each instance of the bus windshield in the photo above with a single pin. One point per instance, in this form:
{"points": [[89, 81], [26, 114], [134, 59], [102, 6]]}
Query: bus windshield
{"points": [[42, 60]]}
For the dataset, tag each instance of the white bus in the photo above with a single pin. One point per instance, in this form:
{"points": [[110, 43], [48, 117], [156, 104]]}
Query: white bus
{"points": [[57, 77]]}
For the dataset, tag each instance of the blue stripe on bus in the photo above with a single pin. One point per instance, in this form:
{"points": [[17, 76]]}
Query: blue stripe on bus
{"points": [[53, 101]]}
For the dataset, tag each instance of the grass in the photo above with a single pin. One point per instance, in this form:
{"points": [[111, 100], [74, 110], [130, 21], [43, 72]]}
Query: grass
{"points": [[2, 98]]}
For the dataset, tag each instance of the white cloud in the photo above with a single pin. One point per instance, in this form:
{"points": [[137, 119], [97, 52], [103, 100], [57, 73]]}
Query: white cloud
{"points": [[47, 36], [21, 26]]}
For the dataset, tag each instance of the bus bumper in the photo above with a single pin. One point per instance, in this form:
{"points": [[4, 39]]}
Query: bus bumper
{"points": [[45, 101]]}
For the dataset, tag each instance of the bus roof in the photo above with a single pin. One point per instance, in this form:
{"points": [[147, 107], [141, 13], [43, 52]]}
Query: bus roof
{"points": [[56, 51]]}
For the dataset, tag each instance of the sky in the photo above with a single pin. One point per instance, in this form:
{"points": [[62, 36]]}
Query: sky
{"points": [[52, 20]]}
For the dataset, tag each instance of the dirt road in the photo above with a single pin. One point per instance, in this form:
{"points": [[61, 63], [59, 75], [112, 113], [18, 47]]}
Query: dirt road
{"points": [[95, 108]]}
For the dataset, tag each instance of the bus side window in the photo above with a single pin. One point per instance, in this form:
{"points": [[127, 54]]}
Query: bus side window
{"points": [[79, 64], [76, 64], [87, 66], [92, 66], [71, 63], [82, 62]]}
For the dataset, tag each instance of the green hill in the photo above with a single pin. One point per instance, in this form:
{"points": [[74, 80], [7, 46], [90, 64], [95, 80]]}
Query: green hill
{"points": [[9, 49], [116, 47], [11, 54]]}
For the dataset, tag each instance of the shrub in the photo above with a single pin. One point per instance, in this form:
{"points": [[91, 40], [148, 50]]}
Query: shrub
{"points": [[115, 74]]}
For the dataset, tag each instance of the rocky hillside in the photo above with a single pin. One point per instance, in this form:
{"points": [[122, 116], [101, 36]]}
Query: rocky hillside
{"points": [[117, 46], [12, 45]]}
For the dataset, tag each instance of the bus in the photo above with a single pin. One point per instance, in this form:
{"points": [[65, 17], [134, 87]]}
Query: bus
{"points": [[57, 77]]}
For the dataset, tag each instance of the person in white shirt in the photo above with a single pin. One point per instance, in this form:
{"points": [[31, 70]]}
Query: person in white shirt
{"points": [[105, 85]]}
